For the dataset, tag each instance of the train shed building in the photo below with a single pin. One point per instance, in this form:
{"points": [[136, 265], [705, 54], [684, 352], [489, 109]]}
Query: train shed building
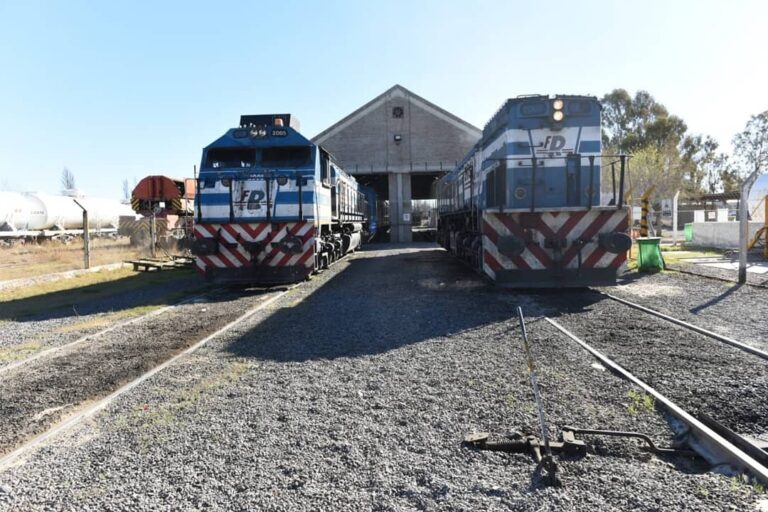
{"points": [[399, 143]]}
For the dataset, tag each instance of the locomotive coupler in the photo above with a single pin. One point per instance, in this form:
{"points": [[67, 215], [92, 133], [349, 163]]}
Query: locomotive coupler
{"points": [[557, 245]]}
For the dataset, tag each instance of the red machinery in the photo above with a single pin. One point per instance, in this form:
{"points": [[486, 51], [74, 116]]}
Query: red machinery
{"points": [[163, 195], [170, 202]]}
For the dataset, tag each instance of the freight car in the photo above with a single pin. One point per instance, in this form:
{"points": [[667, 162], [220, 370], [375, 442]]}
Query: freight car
{"points": [[33, 215], [523, 206], [272, 207], [169, 204]]}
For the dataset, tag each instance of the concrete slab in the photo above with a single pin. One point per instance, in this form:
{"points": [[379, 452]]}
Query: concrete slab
{"points": [[755, 268], [728, 264]]}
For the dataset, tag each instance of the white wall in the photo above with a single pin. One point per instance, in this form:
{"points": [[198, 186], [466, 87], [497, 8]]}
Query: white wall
{"points": [[721, 235]]}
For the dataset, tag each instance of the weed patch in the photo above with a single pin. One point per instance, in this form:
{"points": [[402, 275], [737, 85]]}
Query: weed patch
{"points": [[640, 402]]}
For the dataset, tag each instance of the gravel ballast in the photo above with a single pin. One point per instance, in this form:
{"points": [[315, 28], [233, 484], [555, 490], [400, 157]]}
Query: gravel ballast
{"points": [[22, 337], [697, 372], [737, 311], [353, 392], [36, 395]]}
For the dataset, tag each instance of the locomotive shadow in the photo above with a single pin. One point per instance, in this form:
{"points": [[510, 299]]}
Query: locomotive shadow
{"points": [[376, 304], [109, 297]]}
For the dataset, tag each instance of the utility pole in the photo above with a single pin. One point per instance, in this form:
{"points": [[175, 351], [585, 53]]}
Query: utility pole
{"points": [[746, 186]]}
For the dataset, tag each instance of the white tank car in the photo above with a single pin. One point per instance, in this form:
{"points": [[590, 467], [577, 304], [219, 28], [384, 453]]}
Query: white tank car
{"points": [[54, 212], [14, 211], [32, 211], [756, 199]]}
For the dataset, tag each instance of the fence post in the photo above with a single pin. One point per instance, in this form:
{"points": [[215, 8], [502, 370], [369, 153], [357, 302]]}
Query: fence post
{"points": [[152, 236], [744, 225], [86, 237]]}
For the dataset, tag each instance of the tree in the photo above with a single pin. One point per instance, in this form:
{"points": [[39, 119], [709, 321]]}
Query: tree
{"points": [[631, 124], [661, 167], [750, 147], [729, 177], [700, 162], [67, 179]]}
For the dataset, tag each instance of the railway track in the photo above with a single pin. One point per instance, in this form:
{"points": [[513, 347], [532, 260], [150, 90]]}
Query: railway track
{"points": [[678, 363], [714, 445], [691, 327], [90, 337], [35, 389]]}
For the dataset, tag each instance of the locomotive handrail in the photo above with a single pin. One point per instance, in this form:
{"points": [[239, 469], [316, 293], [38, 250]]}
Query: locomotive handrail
{"points": [[533, 184], [623, 160], [507, 158], [231, 205], [591, 180]]}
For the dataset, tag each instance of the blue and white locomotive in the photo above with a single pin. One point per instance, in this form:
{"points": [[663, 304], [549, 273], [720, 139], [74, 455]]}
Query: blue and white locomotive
{"points": [[524, 206], [272, 207]]}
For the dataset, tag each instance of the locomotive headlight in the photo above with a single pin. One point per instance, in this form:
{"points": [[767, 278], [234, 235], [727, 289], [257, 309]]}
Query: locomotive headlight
{"points": [[557, 104], [558, 115]]}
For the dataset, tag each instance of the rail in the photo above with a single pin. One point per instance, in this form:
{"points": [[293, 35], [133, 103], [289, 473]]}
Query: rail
{"points": [[8, 460], [706, 435], [725, 339]]}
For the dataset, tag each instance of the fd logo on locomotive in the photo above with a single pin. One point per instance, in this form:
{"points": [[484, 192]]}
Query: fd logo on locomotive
{"points": [[554, 145]]}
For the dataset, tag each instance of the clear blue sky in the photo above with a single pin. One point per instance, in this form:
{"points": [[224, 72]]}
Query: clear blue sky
{"points": [[122, 89]]}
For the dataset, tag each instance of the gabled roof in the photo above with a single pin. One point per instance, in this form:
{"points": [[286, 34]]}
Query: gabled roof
{"points": [[397, 90]]}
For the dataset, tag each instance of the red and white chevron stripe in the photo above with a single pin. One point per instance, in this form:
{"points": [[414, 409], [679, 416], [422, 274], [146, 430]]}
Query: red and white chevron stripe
{"points": [[539, 226], [232, 254]]}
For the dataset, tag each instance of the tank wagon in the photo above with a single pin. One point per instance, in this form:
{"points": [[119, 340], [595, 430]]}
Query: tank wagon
{"points": [[37, 215], [523, 206], [271, 206], [170, 201]]}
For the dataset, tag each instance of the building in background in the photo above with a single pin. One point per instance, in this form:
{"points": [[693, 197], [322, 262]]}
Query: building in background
{"points": [[399, 144]]}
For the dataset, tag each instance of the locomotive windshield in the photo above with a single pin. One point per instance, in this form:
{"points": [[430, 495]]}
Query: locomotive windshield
{"points": [[230, 157], [286, 156]]}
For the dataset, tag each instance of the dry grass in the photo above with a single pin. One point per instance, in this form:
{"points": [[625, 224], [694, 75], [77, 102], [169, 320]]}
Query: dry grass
{"points": [[16, 352], [108, 319], [18, 303], [33, 259], [81, 281]]}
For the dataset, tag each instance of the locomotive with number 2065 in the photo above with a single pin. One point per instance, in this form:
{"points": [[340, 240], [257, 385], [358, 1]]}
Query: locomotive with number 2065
{"points": [[273, 207]]}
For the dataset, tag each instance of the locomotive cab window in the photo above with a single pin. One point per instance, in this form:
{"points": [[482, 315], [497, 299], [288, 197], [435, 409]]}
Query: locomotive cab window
{"points": [[219, 158], [286, 156]]}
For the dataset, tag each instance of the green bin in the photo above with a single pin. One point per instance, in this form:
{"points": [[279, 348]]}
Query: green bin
{"points": [[649, 258], [688, 232]]}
